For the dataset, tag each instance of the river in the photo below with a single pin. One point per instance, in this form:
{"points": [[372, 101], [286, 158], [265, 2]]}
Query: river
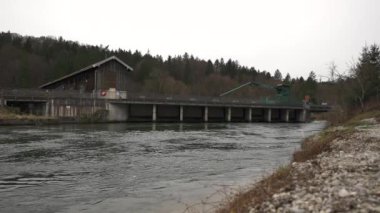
{"points": [[137, 167]]}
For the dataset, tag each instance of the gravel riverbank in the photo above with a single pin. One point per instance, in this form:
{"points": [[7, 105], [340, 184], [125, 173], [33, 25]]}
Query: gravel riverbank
{"points": [[344, 179]]}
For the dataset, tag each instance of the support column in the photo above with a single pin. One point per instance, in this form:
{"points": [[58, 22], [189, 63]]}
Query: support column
{"points": [[205, 114], [228, 114], [181, 113], [268, 115], [52, 110], [285, 115], [154, 113], [248, 115], [302, 116], [93, 106], [47, 109]]}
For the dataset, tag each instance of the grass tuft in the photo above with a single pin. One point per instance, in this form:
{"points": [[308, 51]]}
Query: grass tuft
{"points": [[8, 113], [282, 178], [261, 191]]}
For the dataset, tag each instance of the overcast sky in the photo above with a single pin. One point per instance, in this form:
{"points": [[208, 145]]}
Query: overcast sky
{"points": [[294, 36]]}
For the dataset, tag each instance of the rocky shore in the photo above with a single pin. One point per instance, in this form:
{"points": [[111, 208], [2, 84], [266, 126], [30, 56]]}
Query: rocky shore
{"points": [[346, 178]]}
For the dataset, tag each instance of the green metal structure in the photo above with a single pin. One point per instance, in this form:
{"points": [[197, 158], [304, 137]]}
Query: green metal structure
{"points": [[283, 95]]}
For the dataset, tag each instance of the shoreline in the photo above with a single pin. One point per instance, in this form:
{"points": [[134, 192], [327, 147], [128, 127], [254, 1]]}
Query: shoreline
{"points": [[335, 170]]}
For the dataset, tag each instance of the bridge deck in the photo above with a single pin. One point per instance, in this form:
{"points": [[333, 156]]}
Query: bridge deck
{"points": [[27, 95]]}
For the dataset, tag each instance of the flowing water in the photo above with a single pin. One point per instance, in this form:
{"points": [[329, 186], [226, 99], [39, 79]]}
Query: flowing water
{"points": [[136, 167]]}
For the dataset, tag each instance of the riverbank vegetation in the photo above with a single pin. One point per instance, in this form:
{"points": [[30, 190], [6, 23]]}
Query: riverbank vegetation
{"points": [[12, 116], [7, 113], [286, 178], [355, 97]]}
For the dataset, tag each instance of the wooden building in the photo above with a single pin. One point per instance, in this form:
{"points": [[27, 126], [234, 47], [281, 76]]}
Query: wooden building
{"points": [[104, 78]]}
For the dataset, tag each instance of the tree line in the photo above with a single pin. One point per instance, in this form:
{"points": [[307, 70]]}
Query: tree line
{"points": [[28, 62], [358, 86]]}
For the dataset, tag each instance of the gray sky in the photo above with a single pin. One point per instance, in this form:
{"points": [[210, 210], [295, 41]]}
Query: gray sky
{"points": [[295, 36]]}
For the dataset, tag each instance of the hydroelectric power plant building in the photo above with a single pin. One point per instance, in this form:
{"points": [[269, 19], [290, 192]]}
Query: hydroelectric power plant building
{"points": [[101, 90]]}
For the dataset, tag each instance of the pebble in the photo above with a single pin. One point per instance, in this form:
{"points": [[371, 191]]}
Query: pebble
{"points": [[344, 179], [343, 193]]}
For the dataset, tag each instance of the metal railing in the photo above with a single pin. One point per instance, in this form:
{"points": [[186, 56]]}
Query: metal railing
{"points": [[34, 94]]}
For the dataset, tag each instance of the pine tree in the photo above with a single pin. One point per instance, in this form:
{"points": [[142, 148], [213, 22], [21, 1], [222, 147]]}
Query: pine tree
{"points": [[209, 68], [287, 79], [277, 75]]}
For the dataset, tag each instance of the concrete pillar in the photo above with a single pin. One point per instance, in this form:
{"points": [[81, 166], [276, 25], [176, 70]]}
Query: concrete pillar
{"points": [[52, 108], [302, 115], [181, 113], [117, 112], [268, 115], [93, 106], [154, 113], [285, 115], [154, 127], [248, 115], [3, 102], [47, 109], [205, 114], [228, 114]]}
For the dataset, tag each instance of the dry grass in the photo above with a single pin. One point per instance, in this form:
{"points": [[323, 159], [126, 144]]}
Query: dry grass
{"points": [[311, 147], [260, 192], [282, 178], [7, 113], [335, 117], [357, 120]]}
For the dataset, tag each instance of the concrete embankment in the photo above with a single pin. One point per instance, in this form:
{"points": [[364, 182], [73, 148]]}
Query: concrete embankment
{"points": [[337, 170]]}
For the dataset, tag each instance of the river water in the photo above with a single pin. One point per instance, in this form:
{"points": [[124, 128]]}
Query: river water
{"points": [[137, 167]]}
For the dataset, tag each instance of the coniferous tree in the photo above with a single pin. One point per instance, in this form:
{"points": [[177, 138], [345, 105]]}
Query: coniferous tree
{"points": [[287, 79], [277, 75], [209, 68]]}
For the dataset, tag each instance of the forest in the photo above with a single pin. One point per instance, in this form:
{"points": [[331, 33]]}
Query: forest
{"points": [[28, 62]]}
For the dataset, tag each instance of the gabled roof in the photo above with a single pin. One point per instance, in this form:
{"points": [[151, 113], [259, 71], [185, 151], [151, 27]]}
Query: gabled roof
{"points": [[92, 66]]}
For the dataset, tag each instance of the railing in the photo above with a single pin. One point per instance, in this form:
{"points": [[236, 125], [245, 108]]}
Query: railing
{"points": [[41, 94], [28, 94], [208, 100]]}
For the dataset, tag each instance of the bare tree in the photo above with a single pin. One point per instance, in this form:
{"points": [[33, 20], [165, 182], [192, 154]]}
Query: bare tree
{"points": [[332, 71]]}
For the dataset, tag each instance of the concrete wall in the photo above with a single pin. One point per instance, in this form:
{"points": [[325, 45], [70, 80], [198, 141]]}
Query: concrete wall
{"points": [[117, 112]]}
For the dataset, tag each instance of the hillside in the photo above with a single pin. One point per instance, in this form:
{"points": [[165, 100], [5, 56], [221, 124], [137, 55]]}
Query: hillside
{"points": [[27, 62]]}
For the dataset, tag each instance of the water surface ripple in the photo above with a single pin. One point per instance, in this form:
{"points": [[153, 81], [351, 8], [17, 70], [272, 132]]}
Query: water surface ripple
{"points": [[135, 167]]}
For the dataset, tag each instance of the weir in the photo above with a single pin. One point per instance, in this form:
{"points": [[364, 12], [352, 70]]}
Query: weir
{"points": [[143, 108], [99, 92]]}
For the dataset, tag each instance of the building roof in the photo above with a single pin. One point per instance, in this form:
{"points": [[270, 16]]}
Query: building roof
{"points": [[92, 66]]}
